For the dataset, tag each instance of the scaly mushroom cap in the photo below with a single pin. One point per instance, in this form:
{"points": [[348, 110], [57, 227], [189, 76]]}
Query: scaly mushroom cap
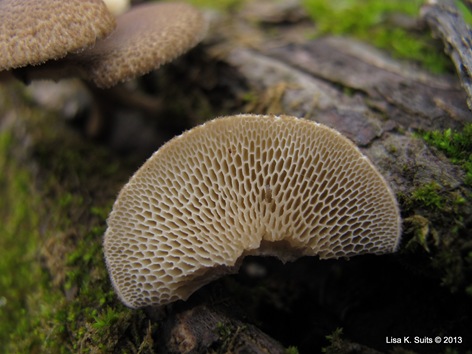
{"points": [[259, 185], [32, 31], [146, 37]]}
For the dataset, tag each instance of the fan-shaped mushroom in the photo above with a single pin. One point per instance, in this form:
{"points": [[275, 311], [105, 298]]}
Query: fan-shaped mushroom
{"points": [[146, 37], [244, 185], [32, 32]]}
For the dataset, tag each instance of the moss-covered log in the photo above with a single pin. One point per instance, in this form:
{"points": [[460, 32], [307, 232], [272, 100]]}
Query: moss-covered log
{"points": [[57, 186]]}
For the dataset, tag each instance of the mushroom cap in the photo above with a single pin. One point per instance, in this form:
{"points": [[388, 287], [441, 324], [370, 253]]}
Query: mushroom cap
{"points": [[117, 7], [244, 185], [32, 32], [146, 37]]}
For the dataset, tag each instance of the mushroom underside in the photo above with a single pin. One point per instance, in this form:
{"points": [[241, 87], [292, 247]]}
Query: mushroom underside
{"points": [[238, 186]]}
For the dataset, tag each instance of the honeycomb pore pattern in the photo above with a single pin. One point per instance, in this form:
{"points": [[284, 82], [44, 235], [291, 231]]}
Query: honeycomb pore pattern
{"points": [[246, 184]]}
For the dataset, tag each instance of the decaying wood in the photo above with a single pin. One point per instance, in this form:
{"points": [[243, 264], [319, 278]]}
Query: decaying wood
{"points": [[205, 329], [446, 21], [376, 101]]}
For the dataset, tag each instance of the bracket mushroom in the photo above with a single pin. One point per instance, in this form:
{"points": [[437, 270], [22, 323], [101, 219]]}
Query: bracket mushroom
{"points": [[33, 32], [243, 185], [146, 36]]}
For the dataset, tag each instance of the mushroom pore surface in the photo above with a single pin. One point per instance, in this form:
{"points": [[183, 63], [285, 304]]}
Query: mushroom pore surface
{"points": [[32, 31], [259, 185]]}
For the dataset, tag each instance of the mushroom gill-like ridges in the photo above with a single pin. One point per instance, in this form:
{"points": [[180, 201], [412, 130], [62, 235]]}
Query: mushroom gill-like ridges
{"points": [[243, 185], [146, 37], [32, 31]]}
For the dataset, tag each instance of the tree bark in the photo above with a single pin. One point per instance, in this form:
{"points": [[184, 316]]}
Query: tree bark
{"points": [[447, 23]]}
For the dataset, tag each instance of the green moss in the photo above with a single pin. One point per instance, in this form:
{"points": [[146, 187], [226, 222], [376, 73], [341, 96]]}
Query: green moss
{"points": [[456, 145], [55, 293], [105, 319], [428, 196], [336, 342], [438, 214], [370, 20], [220, 5], [19, 242], [291, 350], [437, 226], [464, 11]]}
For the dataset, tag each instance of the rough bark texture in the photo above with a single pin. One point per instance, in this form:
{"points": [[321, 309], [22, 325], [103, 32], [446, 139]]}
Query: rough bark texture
{"points": [[448, 24], [205, 328], [375, 101], [259, 60]]}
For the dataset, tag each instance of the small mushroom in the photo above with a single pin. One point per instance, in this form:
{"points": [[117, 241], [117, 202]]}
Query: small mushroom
{"points": [[244, 185], [32, 32], [117, 7], [146, 37]]}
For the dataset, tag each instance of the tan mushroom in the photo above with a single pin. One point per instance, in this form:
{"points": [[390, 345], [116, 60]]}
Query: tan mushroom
{"points": [[146, 37], [32, 32], [117, 7], [244, 185]]}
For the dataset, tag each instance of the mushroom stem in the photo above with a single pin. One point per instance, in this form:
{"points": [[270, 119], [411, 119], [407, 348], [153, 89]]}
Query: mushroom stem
{"points": [[107, 100], [6, 76], [54, 70], [125, 97]]}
